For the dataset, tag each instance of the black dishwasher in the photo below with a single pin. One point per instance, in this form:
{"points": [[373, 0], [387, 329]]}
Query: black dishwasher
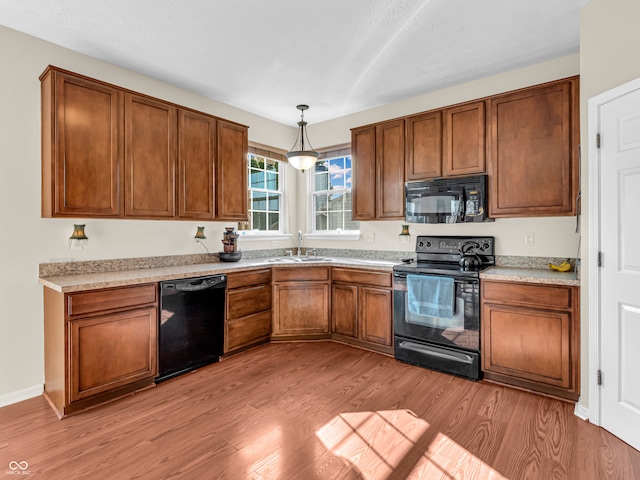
{"points": [[191, 324]]}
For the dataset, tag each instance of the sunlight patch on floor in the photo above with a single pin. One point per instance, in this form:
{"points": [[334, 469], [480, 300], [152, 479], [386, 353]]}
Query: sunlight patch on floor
{"points": [[380, 443]]}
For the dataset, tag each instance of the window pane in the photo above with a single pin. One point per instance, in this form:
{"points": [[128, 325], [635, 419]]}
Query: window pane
{"points": [[321, 166], [321, 221], [337, 179], [347, 201], [321, 203], [272, 165], [347, 180], [256, 179], [260, 220], [322, 181], [258, 201], [257, 162], [274, 221], [335, 220], [272, 181], [336, 164], [274, 203], [347, 163], [335, 202]]}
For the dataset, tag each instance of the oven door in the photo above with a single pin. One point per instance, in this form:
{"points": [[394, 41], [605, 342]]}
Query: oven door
{"points": [[462, 331], [450, 345]]}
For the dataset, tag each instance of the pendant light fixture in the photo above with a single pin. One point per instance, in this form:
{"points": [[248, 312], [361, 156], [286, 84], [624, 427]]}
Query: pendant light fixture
{"points": [[299, 157]]}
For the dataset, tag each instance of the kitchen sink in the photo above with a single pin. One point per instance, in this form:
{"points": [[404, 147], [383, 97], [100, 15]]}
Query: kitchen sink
{"points": [[298, 260]]}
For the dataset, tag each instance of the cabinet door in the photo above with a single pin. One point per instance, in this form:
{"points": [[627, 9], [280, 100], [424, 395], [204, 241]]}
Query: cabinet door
{"points": [[375, 315], [464, 139], [424, 146], [81, 154], [363, 191], [390, 170], [344, 310], [301, 308], [150, 155], [196, 165], [232, 176], [533, 163], [111, 351], [527, 343]]}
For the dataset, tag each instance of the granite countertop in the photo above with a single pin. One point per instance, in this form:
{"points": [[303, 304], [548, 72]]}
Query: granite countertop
{"points": [[530, 275], [93, 281]]}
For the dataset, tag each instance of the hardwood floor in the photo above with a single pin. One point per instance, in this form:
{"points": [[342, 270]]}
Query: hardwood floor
{"points": [[314, 411]]}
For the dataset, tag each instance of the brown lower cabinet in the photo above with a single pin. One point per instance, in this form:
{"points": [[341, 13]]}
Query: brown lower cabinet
{"points": [[361, 308], [248, 318], [300, 303], [531, 336], [99, 345]]}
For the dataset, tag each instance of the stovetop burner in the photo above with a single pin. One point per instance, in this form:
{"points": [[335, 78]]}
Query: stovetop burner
{"points": [[440, 255]]}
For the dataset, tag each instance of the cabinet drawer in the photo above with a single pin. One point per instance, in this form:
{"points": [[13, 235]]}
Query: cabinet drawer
{"points": [[247, 330], [114, 298], [245, 279], [552, 296], [352, 275], [249, 300], [297, 274]]}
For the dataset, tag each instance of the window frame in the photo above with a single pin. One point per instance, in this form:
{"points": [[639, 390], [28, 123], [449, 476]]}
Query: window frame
{"points": [[256, 234], [339, 233]]}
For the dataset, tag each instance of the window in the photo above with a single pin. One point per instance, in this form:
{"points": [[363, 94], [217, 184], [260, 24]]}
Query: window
{"points": [[331, 195], [265, 194]]}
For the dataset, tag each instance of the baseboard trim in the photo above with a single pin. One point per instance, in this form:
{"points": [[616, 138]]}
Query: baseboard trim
{"points": [[20, 395], [581, 411]]}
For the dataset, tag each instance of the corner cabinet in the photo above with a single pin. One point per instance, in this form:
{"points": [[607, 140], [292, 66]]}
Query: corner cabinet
{"points": [[362, 308], [533, 168], [108, 152], [99, 345], [300, 303], [531, 336], [378, 171]]}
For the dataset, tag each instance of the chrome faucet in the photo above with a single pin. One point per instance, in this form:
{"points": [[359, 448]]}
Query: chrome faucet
{"points": [[299, 240]]}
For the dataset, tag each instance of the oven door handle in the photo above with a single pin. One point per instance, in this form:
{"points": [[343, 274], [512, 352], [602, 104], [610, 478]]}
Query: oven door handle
{"points": [[424, 350], [403, 276]]}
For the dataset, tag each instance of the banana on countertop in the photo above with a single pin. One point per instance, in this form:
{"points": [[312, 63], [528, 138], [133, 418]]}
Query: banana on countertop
{"points": [[563, 267]]}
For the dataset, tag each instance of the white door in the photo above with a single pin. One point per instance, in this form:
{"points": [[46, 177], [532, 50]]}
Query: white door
{"points": [[620, 272]]}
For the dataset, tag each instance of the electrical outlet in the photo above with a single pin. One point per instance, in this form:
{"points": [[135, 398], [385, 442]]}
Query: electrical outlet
{"points": [[275, 243], [528, 239], [369, 237]]}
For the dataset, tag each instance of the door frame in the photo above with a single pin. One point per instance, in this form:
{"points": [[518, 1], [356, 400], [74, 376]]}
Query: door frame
{"points": [[595, 313]]}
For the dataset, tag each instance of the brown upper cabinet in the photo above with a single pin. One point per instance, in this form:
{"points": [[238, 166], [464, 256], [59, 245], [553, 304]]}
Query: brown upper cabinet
{"points": [[533, 169], [149, 159], [81, 147], [446, 143], [464, 139], [378, 171], [108, 152], [196, 165]]}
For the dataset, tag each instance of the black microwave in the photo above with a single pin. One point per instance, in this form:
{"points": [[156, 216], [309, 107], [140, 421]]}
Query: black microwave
{"points": [[447, 200]]}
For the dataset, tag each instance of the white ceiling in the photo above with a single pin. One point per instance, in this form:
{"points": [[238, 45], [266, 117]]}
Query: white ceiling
{"points": [[338, 56]]}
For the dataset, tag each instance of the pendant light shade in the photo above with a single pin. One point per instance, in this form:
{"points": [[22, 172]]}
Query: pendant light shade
{"points": [[299, 157]]}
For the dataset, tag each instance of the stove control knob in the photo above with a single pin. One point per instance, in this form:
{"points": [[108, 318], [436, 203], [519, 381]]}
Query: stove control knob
{"points": [[428, 244], [421, 244], [485, 246]]}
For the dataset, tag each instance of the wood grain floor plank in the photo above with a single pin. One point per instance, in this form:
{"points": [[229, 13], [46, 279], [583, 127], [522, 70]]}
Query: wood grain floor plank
{"points": [[315, 410]]}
